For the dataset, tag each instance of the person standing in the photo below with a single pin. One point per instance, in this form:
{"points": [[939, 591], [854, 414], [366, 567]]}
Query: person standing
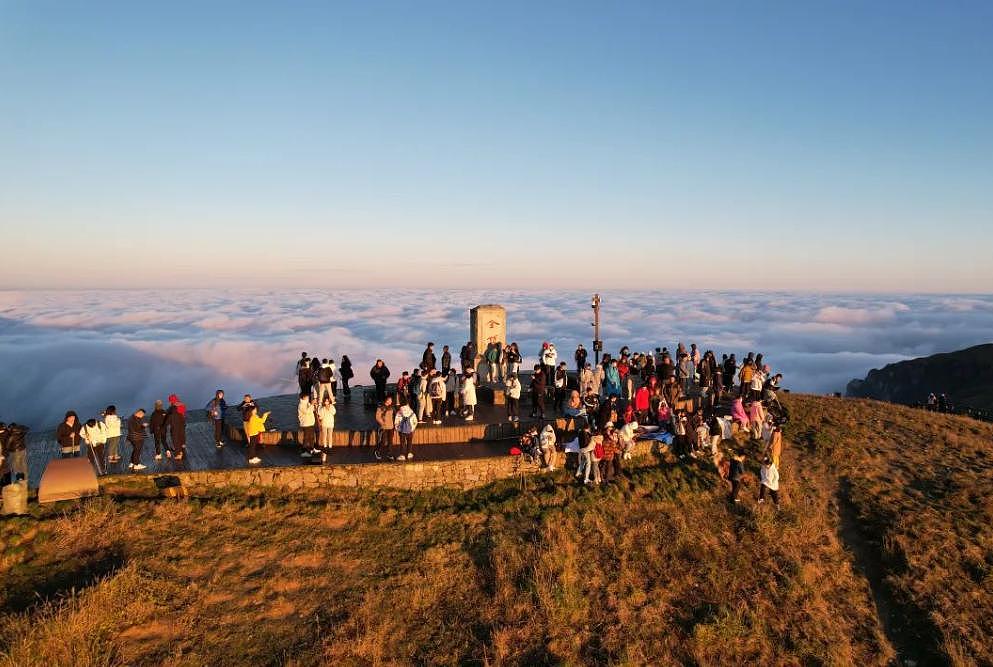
{"points": [[136, 436], [67, 435], [512, 358], [467, 356], [610, 461], [413, 392], [446, 361], [469, 394], [380, 374], [547, 442], [580, 357], [549, 360], [254, 427], [325, 417], [216, 408], [303, 373], [493, 355], [513, 393], [94, 435], [769, 476], [346, 374], [405, 423], [14, 447], [428, 359], [112, 424], [612, 380], [385, 416], [437, 391], [537, 389], [737, 474], [307, 419], [561, 386], [325, 379], [157, 424], [176, 423], [451, 391]]}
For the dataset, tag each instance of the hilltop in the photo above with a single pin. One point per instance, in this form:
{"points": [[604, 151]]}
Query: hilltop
{"points": [[883, 549], [965, 376]]}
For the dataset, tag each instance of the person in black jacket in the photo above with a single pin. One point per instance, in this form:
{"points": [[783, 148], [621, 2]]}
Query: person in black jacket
{"points": [[380, 374], [157, 425], [176, 425], [537, 392], [13, 448], [428, 359], [580, 357], [446, 361], [216, 408], [468, 356], [136, 436], [67, 435], [345, 369]]}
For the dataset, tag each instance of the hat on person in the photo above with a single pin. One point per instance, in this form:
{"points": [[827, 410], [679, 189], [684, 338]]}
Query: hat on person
{"points": [[173, 398]]}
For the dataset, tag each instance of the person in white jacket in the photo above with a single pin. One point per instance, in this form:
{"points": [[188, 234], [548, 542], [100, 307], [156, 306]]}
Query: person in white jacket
{"points": [[547, 442], [405, 423], [550, 360], [94, 434], [513, 394], [307, 418], [325, 418], [769, 477], [112, 426], [469, 394], [437, 392]]}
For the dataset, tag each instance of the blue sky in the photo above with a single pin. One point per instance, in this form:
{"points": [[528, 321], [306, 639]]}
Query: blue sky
{"points": [[827, 146]]}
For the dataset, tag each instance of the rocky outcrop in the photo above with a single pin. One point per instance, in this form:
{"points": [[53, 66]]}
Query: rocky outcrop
{"points": [[965, 376]]}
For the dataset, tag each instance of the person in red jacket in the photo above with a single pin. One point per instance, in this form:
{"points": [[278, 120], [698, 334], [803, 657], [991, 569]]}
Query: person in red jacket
{"points": [[641, 403]]}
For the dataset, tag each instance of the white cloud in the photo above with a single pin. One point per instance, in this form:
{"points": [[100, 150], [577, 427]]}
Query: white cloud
{"points": [[84, 350]]}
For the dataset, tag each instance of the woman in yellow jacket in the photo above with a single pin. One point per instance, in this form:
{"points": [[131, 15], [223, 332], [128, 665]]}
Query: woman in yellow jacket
{"points": [[254, 427]]}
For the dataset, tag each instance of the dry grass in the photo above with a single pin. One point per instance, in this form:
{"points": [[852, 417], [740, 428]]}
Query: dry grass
{"points": [[655, 570]]}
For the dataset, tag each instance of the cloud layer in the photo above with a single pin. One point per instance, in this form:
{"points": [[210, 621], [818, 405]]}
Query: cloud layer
{"points": [[85, 350]]}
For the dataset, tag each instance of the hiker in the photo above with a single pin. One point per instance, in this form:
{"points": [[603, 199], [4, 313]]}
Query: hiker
{"points": [[756, 417], [775, 448], [437, 393], [537, 390], [599, 377], [423, 400], [14, 448], [587, 460], [467, 356], [513, 359], [403, 384], [346, 374], [685, 372], [428, 359], [469, 394], [176, 424], [612, 380], [608, 411], [494, 353], [451, 391], [591, 406], [446, 361], [610, 457], [325, 380], [216, 408], [112, 426], [94, 434], [549, 360], [385, 416], [67, 435], [561, 385], [730, 368], [380, 374], [136, 436], [625, 437], [547, 442], [672, 392], [307, 419], [642, 403], [737, 475], [513, 394], [932, 402], [745, 376], [738, 413], [254, 427], [303, 373], [325, 418], [157, 424], [413, 392], [681, 441], [580, 357], [405, 423], [769, 476]]}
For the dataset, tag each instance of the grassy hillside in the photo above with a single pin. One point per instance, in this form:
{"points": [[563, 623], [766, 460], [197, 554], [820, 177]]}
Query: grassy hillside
{"points": [[883, 545]]}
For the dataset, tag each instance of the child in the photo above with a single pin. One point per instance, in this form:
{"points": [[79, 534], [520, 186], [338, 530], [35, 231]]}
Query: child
{"points": [[769, 475], [405, 423]]}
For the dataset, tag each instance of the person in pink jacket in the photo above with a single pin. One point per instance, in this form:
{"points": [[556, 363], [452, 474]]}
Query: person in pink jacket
{"points": [[738, 413]]}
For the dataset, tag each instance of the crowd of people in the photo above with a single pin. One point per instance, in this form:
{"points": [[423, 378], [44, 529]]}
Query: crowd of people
{"points": [[608, 404]]}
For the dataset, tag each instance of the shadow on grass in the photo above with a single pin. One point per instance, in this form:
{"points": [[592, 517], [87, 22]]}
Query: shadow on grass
{"points": [[27, 586], [907, 627]]}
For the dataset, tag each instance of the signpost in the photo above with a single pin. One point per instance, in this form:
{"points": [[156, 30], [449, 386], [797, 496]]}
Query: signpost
{"points": [[597, 343]]}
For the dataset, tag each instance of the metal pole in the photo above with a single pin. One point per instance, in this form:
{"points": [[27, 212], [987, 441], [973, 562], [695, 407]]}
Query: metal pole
{"points": [[597, 343]]}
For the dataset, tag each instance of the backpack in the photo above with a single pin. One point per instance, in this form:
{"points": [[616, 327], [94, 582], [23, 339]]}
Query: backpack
{"points": [[409, 422], [598, 451], [325, 375], [436, 389]]}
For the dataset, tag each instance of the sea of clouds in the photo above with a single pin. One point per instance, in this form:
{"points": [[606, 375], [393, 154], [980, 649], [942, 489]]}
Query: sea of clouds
{"points": [[84, 350]]}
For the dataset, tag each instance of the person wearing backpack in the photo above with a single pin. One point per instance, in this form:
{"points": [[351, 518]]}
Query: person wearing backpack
{"points": [[325, 376], [513, 394], [437, 391], [216, 409], [405, 423], [136, 436]]}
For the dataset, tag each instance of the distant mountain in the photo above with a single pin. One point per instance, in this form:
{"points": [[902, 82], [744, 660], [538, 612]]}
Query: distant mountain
{"points": [[966, 376]]}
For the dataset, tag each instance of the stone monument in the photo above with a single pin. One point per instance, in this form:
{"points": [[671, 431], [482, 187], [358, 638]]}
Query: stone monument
{"points": [[487, 325]]}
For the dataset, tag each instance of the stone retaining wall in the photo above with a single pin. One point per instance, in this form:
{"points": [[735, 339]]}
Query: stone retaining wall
{"points": [[457, 474]]}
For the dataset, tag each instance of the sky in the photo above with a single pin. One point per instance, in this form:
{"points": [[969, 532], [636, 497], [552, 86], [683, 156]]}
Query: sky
{"points": [[84, 350], [837, 146]]}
